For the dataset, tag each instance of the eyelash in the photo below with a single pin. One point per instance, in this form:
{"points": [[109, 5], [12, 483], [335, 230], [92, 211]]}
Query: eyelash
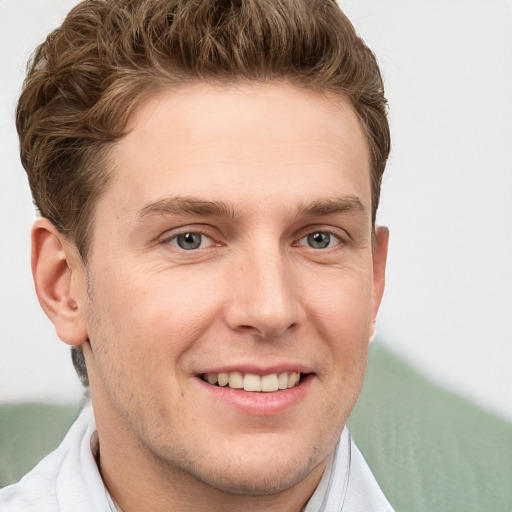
{"points": [[195, 231], [338, 239]]}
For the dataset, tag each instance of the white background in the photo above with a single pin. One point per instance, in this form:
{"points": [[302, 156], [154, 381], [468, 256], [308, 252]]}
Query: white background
{"points": [[447, 198]]}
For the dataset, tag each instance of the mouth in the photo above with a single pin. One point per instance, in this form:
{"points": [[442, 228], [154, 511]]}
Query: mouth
{"points": [[251, 382]]}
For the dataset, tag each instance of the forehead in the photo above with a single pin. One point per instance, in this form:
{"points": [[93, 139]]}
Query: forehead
{"points": [[261, 143]]}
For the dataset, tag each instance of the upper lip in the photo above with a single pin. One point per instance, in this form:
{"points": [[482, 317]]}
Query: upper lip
{"points": [[258, 369]]}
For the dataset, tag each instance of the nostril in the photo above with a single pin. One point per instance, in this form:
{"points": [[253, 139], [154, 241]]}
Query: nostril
{"points": [[266, 331]]}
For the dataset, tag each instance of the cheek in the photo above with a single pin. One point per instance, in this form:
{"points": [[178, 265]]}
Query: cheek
{"points": [[153, 317], [340, 314], [341, 308]]}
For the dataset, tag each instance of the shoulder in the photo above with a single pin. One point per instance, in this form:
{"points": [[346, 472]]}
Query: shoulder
{"points": [[58, 475]]}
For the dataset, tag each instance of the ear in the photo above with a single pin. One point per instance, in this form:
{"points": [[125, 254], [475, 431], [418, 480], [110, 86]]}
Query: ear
{"points": [[60, 281], [380, 255]]}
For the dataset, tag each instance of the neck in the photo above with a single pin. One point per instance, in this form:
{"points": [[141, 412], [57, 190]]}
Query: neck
{"points": [[169, 488]]}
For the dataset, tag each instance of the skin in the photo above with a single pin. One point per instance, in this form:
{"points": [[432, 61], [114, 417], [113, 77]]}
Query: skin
{"points": [[278, 164]]}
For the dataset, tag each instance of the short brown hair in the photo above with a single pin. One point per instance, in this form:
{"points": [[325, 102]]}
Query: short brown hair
{"points": [[108, 56]]}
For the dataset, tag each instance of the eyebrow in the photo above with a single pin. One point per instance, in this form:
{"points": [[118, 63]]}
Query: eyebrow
{"points": [[346, 204], [187, 206], [194, 206]]}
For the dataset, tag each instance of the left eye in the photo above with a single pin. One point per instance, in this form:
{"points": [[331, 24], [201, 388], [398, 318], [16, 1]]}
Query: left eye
{"points": [[190, 241], [320, 240]]}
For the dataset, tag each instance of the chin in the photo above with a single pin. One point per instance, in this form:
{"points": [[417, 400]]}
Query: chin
{"points": [[261, 465], [249, 480]]}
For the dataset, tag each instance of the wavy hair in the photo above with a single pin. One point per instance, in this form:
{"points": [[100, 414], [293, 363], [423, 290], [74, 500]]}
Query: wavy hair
{"points": [[85, 81]]}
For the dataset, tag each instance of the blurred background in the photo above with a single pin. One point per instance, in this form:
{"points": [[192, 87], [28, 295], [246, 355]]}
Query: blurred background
{"points": [[447, 198]]}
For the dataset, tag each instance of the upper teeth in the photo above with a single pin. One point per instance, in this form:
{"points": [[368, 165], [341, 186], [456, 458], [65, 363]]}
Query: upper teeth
{"points": [[253, 382]]}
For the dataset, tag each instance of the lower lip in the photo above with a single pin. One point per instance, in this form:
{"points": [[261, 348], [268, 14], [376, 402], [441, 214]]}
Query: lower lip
{"points": [[259, 404]]}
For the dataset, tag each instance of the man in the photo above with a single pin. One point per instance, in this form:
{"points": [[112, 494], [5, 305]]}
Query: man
{"points": [[208, 176]]}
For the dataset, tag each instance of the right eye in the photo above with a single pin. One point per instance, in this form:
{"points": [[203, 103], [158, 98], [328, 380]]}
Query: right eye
{"points": [[190, 241]]}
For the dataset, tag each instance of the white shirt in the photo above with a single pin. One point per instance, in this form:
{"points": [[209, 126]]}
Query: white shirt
{"points": [[68, 480]]}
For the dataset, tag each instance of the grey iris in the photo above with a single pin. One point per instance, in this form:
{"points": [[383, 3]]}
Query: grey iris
{"points": [[319, 240], [189, 241]]}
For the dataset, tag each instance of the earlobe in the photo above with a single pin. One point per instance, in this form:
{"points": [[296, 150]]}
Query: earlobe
{"points": [[58, 277], [380, 254]]}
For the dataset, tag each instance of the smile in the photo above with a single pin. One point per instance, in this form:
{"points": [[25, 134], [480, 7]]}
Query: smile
{"points": [[252, 382]]}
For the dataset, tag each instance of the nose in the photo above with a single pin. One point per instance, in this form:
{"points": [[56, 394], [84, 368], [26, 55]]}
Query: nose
{"points": [[262, 295]]}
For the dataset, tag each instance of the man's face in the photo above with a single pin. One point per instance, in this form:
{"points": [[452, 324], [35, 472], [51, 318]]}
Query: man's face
{"points": [[234, 242]]}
